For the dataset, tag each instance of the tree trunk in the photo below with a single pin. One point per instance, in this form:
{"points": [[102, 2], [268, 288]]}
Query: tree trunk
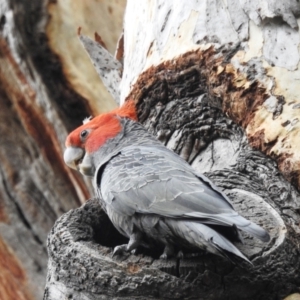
{"points": [[226, 102], [43, 96], [80, 244], [216, 83]]}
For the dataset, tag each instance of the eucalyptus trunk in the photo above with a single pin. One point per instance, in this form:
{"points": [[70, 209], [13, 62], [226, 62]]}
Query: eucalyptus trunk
{"points": [[215, 82]]}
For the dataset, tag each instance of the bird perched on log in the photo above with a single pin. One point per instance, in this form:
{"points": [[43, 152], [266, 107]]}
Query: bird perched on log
{"points": [[151, 194]]}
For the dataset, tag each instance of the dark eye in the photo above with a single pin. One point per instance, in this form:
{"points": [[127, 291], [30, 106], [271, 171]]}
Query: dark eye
{"points": [[83, 134]]}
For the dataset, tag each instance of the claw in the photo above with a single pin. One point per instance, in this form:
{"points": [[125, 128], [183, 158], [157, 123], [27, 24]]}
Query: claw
{"points": [[134, 251], [119, 250], [134, 242], [168, 252], [164, 256], [180, 254]]}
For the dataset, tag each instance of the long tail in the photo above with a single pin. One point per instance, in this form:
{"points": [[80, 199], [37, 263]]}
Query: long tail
{"points": [[203, 237], [246, 226], [233, 219]]}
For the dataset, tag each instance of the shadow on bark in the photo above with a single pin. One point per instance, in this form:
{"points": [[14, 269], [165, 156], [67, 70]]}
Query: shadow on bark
{"points": [[179, 108]]}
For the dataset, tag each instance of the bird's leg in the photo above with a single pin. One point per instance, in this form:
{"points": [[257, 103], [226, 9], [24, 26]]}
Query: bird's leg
{"points": [[134, 242], [180, 254], [168, 252]]}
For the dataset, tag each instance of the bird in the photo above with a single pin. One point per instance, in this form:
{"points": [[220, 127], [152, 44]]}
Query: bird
{"points": [[152, 195]]}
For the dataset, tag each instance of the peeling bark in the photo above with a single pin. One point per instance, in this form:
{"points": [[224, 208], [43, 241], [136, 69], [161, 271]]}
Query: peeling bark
{"points": [[186, 122], [12, 276], [200, 87], [208, 90], [33, 175], [108, 68], [197, 92], [40, 101], [249, 58]]}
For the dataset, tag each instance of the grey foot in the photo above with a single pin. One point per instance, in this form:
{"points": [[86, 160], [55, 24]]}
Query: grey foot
{"points": [[180, 254], [134, 242], [168, 252], [135, 251], [164, 256], [120, 250]]}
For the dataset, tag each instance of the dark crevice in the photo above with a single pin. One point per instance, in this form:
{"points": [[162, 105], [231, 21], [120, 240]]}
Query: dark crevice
{"points": [[166, 20], [178, 267], [19, 211], [2, 21], [71, 106]]}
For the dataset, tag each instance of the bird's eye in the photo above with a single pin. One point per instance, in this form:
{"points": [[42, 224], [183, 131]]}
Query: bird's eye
{"points": [[83, 134]]}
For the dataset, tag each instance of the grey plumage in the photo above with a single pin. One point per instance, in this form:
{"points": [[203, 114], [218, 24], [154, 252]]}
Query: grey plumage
{"points": [[150, 193]]}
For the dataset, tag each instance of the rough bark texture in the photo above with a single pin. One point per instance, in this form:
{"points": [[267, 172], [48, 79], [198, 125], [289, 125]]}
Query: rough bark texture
{"points": [[39, 103], [198, 84], [252, 65], [198, 104], [184, 120]]}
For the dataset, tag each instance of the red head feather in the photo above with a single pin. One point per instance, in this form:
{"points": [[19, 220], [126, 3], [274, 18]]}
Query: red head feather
{"points": [[127, 110], [101, 128]]}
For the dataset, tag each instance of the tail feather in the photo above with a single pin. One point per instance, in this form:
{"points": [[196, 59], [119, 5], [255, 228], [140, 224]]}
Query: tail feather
{"points": [[247, 226], [203, 237], [233, 219]]}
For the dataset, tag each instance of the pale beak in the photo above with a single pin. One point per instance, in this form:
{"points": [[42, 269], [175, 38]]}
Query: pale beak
{"points": [[73, 157], [77, 159], [86, 166]]}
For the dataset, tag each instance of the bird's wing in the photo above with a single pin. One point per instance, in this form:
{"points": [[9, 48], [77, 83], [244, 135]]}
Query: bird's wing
{"points": [[154, 180]]}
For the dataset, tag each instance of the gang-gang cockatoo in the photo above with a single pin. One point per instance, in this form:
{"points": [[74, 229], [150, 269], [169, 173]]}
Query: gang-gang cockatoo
{"points": [[151, 195]]}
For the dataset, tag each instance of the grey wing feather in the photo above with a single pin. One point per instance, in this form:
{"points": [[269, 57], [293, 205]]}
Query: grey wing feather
{"points": [[200, 235], [166, 185], [155, 172]]}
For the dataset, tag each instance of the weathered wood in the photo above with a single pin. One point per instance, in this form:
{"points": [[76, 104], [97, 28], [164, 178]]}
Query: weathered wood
{"points": [[41, 99], [248, 55], [248, 177], [108, 68], [35, 185], [203, 87], [193, 79]]}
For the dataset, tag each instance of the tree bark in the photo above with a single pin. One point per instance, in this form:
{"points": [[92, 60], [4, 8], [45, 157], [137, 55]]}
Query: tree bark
{"points": [[80, 244], [209, 92], [42, 98], [214, 82]]}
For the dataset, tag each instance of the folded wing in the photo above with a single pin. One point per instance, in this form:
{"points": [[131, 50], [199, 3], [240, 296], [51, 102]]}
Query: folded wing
{"points": [[154, 180]]}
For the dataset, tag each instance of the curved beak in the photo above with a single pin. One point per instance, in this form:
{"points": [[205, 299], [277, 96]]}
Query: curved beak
{"points": [[73, 157], [77, 159]]}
